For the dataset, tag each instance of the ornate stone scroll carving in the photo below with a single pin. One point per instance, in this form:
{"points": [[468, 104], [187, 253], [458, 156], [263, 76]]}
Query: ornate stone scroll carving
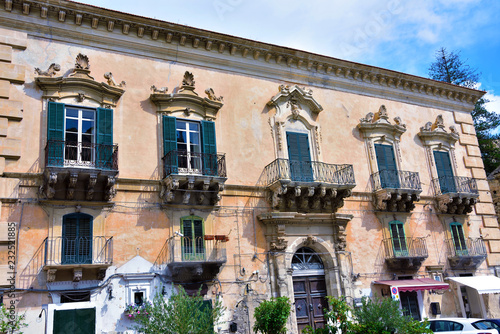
{"points": [[162, 90], [188, 79], [111, 81], [51, 71], [211, 95], [279, 242]]}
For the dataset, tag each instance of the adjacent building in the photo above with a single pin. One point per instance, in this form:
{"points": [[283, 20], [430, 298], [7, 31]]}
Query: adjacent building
{"points": [[137, 155]]}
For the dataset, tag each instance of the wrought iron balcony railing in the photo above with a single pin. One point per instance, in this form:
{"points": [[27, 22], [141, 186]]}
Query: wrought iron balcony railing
{"points": [[77, 251], [405, 248], [309, 171], [185, 249], [183, 162], [466, 248], [396, 179], [60, 153], [455, 184]]}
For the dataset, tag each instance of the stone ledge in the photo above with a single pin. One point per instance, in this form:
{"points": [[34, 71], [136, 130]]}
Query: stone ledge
{"points": [[473, 162], [468, 129], [490, 233], [463, 117], [4, 89], [468, 140], [12, 72], [485, 209], [490, 221], [15, 39], [10, 148], [473, 151], [11, 109], [6, 53], [478, 173]]}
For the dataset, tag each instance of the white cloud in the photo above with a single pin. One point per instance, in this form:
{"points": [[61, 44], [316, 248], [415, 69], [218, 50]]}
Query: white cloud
{"points": [[494, 104]]}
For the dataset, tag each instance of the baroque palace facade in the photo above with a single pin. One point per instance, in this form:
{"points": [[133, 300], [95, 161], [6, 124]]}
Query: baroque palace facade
{"points": [[137, 154]]}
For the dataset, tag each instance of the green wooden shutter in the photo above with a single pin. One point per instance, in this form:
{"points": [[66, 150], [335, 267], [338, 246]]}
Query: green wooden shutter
{"points": [[55, 134], [77, 239], [69, 239], [78, 321], [85, 239], [387, 167], [104, 138], [398, 239], [299, 156], [209, 148], [169, 145], [445, 172], [198, 235], [457, 234], [187, 240]]}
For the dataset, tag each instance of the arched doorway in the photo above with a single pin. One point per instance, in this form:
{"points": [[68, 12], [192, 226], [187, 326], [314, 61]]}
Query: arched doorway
{"points": [[309, 288]]}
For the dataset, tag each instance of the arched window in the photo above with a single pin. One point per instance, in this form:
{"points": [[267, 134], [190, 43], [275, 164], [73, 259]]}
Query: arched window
{"points": [[77, 239], [306, 259]]}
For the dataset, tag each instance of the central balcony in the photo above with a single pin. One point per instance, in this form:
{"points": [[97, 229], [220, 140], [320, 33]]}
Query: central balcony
{"points": [[405, 253], [308, 186], [66, 256], [80, 171], [396, 190], [187, 173], [189, 260], [455, 194], [466, 253]]}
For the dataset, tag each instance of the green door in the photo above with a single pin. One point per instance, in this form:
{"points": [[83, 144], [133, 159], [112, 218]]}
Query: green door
{"points": [[457, 234], [193, 243], [79, 321], [299, 157], [445, 172], [387, 167], [77, 239], [398, 239]]}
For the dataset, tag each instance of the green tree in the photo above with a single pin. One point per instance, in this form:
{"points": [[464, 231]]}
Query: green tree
{"points": [[11, 323], [180, 314], [271, 316], [383, 316], [336, 318], [449, 67]]}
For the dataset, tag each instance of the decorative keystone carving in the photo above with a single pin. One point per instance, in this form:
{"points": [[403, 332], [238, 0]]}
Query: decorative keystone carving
{"points": [[51, 275], [53, 68], [111, 81], [82, 62], [310, 240], [77, 274]]}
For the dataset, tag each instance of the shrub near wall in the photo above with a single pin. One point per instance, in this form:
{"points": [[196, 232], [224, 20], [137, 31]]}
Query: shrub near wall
{"points": [[271, 316]]}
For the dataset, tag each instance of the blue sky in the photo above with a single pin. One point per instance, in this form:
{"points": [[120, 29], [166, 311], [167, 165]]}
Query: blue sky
{"points": [[401, 35]]}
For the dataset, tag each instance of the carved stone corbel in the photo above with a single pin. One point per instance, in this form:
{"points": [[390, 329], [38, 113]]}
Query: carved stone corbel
{"points": [[51, 275], [91, 185], [110, 188], [443, 202], [77, 274], [341, 235], [101, 274], [72, 179], [51, 184]]}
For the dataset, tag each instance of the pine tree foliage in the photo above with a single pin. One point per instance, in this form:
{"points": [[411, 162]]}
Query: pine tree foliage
{"points": [[449, 67]]}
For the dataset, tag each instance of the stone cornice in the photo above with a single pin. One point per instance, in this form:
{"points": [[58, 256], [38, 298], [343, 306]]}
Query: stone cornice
{"points": [[155, 38]]}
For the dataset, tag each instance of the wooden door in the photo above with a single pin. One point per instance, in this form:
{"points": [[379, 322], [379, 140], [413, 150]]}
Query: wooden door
{"points": [[310, 301]]}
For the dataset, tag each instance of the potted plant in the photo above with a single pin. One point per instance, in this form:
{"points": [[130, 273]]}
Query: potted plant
{"points": [[209, 237]]}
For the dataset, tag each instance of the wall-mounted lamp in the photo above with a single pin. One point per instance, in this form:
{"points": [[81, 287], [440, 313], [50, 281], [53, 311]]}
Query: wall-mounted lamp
{"points": [[179, 234]]}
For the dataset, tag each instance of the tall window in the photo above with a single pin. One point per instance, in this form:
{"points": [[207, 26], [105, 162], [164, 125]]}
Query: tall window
{"points": [[388, 171], [189, 147], [459, 243], [398, 239], [193, 243], [445, 172], [79, 135], [77, 239], [299, 156]]}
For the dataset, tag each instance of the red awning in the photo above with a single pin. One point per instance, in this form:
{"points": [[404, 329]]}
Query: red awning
{"points": [[415, 284]]}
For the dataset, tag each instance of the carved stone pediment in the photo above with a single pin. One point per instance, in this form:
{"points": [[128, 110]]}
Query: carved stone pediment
{"points": [[185, 99], [378, 125], [79, 84], [295, 98], [436, 134]]}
